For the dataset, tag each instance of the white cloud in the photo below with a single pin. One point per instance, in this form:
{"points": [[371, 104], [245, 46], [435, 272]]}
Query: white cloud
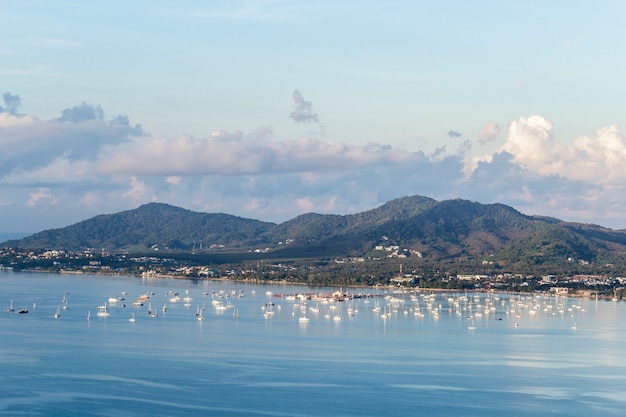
{"points": [[186, 155], [107, 166], [91, 199], [489, 132], [8, 120], [59, 171], [137, 192], [42, 195], [531, 142], [305, 204], [174, 180], [600, 158], [581, 180]]}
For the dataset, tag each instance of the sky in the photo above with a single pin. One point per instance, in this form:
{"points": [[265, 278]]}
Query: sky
{"points": [[268, 109]]}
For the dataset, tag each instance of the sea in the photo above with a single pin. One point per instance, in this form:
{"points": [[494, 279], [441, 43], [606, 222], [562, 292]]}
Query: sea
{"points": [[224, 348]]}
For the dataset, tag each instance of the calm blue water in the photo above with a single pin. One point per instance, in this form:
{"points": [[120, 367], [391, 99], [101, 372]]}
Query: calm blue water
{"points": [[408, 364]]}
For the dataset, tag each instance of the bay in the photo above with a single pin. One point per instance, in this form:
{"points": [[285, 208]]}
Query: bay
{"points": [[443, 354]]}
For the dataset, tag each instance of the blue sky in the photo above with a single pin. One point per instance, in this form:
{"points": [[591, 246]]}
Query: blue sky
{"points": [[271, 109]]}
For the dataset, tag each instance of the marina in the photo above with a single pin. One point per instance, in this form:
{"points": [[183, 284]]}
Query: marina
{"points": [[235, 349]]}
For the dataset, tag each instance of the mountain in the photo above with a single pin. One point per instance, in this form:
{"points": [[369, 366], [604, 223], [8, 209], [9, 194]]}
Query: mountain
{"points": [[153, 225], [414, 225]]}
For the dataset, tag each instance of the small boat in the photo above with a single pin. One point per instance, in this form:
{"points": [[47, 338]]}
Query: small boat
{"points": [[58, 313], [132, 317], [152, 313], [164, 308], [102, 311], [11, 309], [23, 310], [88, 315]]}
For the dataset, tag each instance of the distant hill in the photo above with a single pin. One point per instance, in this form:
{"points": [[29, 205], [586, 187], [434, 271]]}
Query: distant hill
{"points": [[153, 225], [408, 226]]}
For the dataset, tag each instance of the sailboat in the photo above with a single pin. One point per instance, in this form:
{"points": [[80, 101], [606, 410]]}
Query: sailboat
{"points": [[303, 318], [57, 314], [150, 312], [132, 317], [88, 315], [11, 309]]}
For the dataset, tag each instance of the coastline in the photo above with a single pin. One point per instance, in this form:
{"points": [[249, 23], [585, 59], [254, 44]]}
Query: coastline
{"points": [[586, 294]]}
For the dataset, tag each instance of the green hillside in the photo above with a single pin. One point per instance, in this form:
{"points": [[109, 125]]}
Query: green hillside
{"points": [[410, 226]]}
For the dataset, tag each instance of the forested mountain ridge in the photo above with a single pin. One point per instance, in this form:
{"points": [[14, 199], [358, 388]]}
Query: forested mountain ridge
{"points": [[152, 225], [410, 226]]}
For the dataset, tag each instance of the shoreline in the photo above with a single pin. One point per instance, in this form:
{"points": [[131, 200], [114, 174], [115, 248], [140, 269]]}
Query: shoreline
{"points": [[588, 294]]}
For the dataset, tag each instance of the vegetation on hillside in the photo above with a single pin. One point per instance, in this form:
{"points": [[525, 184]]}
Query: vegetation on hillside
{"points": [[416, 229]]}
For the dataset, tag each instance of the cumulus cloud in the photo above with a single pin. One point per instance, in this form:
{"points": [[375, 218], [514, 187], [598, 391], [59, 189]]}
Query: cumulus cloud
{"points": [[137, 191], [87, 163], [11, 103], [42, 195], [303, 110], [582, 179], [174, 180], [28, 143], [82, 113], [489, 132], [454, 134], [225, 154], [597, 158]]}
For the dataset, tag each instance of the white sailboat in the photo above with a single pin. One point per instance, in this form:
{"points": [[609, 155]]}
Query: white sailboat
{"points": [[57, 314], [11, 309], [150, 311], [132, 317], [303, 318]]}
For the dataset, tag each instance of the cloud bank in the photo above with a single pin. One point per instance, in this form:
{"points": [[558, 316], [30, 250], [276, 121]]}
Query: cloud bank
{"points": [[80, 164]]}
